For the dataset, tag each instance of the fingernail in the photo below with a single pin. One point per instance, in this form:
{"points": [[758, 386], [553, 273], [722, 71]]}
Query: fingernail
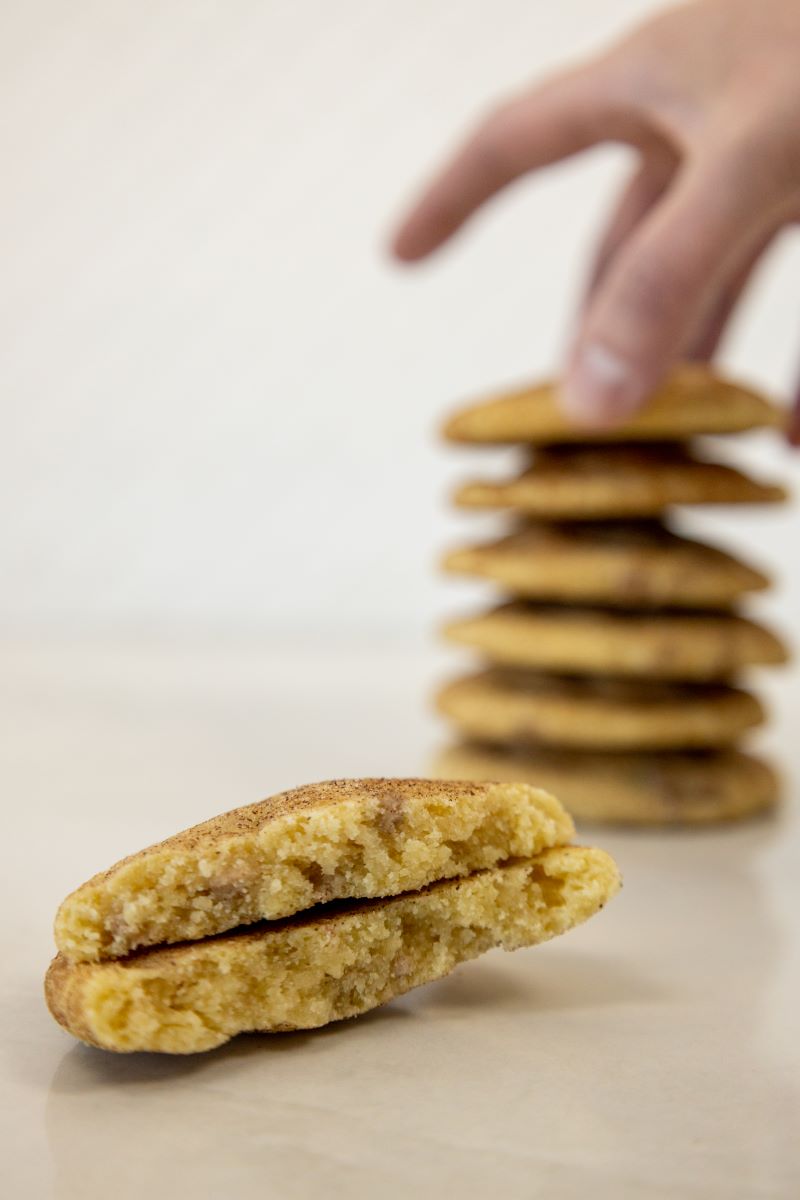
{"points": [[600, 388]]}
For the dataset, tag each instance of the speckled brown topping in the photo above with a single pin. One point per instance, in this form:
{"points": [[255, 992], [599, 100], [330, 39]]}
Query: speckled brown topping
{"points": [[390, 794]]}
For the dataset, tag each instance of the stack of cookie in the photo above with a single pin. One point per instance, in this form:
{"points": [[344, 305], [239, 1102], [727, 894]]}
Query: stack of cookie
{"points": [[612, 671]]}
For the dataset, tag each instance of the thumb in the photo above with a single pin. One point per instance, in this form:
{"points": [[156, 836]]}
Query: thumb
{"points": [[657, 292]]}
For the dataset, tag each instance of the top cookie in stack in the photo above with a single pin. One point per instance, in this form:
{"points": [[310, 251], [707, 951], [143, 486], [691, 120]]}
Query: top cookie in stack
{"points": [[691, 401], [616, 658]]}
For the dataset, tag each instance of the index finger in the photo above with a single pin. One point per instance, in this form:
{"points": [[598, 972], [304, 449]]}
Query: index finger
{"points": [[572, 112]]}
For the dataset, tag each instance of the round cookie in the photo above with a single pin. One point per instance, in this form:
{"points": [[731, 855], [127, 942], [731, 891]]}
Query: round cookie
{"points": [[692, 400], [630, 789], [597, 483], [634, 564], [523, 707], [594, 641]]}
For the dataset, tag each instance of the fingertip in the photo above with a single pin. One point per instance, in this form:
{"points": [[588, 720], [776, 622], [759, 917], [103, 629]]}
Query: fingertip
{"points": [[401, 246], [417, 237], [406, 248]]}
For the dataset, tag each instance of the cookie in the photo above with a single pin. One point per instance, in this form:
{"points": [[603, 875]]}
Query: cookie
{"points": [[597, 483], [594, 641], [692, 400], [326, 965], [523, 707], [634, 564], [632, 789], [327, 841]]}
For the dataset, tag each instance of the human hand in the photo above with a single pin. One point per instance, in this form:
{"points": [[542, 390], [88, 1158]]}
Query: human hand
{"points": [[709, 94]]}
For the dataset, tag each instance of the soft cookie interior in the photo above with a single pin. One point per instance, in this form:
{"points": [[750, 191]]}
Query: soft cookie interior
{"points": [[324, 965], [342, 840]]}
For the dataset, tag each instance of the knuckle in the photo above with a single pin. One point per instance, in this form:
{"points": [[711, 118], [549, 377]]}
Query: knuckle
{"points": [[774, 157], [738, 158], [761, 159]]}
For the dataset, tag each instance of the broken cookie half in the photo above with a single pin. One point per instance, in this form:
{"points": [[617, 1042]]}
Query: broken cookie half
{"points": [[312, 906], [342, 840]]}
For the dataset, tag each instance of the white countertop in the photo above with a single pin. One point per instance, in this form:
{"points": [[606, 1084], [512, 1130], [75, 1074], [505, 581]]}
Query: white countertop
{"points": [[655, 1052]]}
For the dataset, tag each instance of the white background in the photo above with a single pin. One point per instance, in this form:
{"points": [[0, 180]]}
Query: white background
{"points": [[219, 404], [219, 396]]}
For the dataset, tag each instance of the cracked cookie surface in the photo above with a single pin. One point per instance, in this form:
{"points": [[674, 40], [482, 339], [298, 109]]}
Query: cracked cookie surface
{"points": [[328, 841]]}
